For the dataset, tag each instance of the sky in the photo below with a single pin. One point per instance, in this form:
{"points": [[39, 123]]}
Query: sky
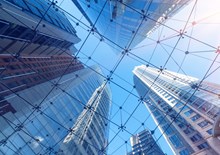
{"points": [[201, 40]]}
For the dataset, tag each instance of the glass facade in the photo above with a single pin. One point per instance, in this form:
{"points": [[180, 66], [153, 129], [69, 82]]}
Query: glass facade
{"points": [[38, 23], [119, 20], [191, 116], [144, 143], [46, 94], [42, 9], [38, 127]]}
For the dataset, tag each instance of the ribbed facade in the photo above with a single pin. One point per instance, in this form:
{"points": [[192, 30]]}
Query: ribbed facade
{"points": [[143, 143], [172, 99], [120, 21]]}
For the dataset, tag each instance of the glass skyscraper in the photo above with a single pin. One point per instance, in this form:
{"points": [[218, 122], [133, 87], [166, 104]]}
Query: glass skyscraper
{"points": [[49, 102], [72, 117], [190, 119], [143, 143], [120, 20], [35, 28]]}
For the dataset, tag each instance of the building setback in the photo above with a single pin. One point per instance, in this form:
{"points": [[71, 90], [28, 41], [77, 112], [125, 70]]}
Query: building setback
{"points": [[190, 119], [120, 21], [143, 143]]}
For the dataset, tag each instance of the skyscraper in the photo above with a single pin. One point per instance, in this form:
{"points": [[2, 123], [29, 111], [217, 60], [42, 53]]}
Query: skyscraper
{"points": [[143, 143], [35, 28], [189, 118], [45, 116], [45, 92], [120, 21], [18, 74]]}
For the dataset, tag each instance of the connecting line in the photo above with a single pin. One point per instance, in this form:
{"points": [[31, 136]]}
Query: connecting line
{"points": [[180, 66], [92, 29], [154, 50], [120, 107], [191, 53], [212, 72], [120, 138], [191, 31], [99, 64], [99, 42]]}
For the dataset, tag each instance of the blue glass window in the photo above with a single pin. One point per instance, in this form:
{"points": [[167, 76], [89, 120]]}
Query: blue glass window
{"points": [[188, 130], [178, 104], [203, 124], [196, 137], [21, 4], [34, 10], [156, 113], [209, 131], [184, 152], [161, 120], [196, 117], [188, 113], [203, 145], [169, 130], [176, 141]]}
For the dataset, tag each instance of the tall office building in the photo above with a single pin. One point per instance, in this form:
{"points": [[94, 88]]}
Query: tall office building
{"points": [[70, 117], [143, 143], [120, 20], [35, 28], [190, 119], [45, 92], [91, 126], [25, 72]]}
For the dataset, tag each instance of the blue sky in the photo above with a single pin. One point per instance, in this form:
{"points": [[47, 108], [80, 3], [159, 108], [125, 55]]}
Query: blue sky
{"points": [[202, 39]]}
